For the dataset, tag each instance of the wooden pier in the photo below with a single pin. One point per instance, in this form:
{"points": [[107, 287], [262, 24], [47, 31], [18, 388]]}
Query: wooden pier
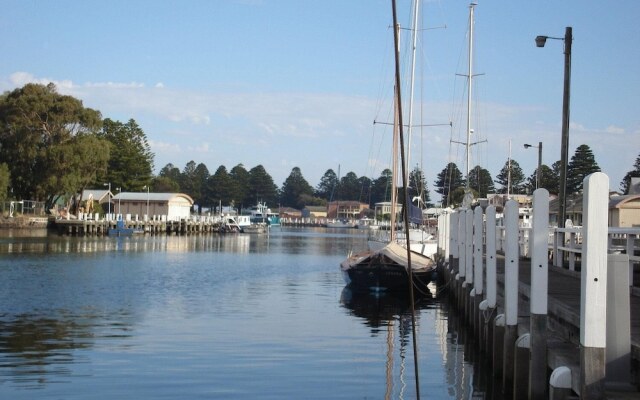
{"points": [[547, 331], [88, 227]]}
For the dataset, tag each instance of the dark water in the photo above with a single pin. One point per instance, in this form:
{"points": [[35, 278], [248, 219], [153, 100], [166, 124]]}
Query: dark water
{"points": [[211, 317]]}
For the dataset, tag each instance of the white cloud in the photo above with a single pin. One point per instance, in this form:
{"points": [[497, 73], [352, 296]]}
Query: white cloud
{"points": [[614, 130]]}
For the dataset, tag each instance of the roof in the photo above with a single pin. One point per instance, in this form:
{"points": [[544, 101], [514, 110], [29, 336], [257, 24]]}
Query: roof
{"points": [[620, 201], [99, 195], [158, 197]]}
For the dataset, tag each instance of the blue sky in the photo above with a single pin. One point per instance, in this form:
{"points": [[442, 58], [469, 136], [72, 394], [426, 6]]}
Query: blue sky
{"points": [[293, 83]]}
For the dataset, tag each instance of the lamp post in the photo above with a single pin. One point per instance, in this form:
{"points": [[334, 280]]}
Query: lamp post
{"points": [[564, 151], [147, 187], [119, 192], [539, 170], [109, 206]]}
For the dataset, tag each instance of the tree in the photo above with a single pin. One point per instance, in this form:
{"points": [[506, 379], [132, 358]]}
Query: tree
{"points": [[262, 187], [38, 130], [219, 188], [449, 179], [327, 185], [171, 173], [548, 180], [418, 187], [365, 189], [381, 188], [511, 182], [582, 164], [293, 188], [481, 182], [349, 187], [163, 184], [194, 180], [241, 186], [5, 178], [131, 161], [625, 185]]}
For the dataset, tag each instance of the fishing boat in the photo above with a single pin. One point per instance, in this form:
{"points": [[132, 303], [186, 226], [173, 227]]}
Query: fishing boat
{"points": [[393, 267]]}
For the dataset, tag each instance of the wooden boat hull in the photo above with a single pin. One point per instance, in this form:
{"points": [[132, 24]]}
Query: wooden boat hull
{"points": [[387, 270]]}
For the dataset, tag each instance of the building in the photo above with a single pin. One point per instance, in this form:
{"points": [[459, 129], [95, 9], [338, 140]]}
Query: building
{"points": [[175, 206], [624, 211], [383, 210], [346, 209], [314, 212]]}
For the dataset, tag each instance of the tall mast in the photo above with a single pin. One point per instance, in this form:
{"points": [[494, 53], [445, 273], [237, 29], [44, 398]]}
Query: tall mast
{"points": [[469, 83], [413, 73]]}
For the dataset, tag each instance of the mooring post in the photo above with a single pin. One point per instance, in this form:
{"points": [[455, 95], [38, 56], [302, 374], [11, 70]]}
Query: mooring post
{"points": [[492, 281], [618, 319], [468, 263], [593, 295], [498, 346], [462, 269], [521, 371], [454, 253], [511, 265], [539, 295], [560, 384], [478, 283]]}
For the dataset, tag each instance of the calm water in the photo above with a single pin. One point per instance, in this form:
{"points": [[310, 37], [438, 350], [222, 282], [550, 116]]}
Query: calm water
{"points": [[211, 317]]}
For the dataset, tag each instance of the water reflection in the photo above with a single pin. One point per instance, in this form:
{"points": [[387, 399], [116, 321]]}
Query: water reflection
{"points": [[384, 314], [37, 350], [290, 240]]}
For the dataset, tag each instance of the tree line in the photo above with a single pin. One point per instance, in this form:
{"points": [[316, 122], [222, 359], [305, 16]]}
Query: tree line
{"points": [[52, 148]]}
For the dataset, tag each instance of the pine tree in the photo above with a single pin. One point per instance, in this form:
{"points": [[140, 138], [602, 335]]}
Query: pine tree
{"points": [[449, 179], [582, 164], [548, 180], [293, 188], [481, 182], [515, 180]]}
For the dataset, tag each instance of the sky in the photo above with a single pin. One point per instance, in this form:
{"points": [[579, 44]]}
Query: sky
{"points": [[299, 83]]}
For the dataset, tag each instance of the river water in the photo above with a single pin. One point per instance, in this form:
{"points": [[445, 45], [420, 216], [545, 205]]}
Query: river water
{"points": [[212, 317]]}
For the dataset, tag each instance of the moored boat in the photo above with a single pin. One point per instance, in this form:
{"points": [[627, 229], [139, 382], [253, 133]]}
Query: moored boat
{"points": [[387, 269]]}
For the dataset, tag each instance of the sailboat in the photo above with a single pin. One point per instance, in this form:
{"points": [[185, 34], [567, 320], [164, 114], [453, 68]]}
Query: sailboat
{"points": [[393, 267]]}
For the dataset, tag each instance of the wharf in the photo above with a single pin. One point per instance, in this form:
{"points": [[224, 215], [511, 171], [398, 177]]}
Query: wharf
{"points": [[563, 325], [84, 227]]}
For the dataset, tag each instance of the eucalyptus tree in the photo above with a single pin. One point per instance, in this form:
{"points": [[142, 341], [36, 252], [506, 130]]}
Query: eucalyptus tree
{"points": [[49, 143], [5, 178], [625, 185], [582, 164]]}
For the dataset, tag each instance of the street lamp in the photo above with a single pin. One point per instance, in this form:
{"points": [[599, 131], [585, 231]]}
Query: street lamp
{"points": [[119, 193], [539, 170], [562, 196], [109, 184], [147, 187]]}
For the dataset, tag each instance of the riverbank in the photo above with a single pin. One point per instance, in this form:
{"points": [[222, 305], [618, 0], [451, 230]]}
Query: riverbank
{"points": [[24, 222]]}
